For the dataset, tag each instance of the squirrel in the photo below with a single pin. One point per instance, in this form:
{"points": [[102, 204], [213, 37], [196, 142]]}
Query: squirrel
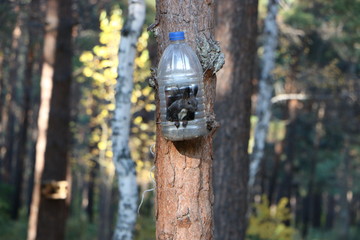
{"points": [[183, 109]]}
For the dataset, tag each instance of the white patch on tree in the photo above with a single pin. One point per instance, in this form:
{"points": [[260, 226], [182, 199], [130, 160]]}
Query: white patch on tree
{"points": [[263, 108]]}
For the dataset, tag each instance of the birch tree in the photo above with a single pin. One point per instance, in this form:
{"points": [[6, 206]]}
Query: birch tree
{"points": [[263, 107], [125, 166]]}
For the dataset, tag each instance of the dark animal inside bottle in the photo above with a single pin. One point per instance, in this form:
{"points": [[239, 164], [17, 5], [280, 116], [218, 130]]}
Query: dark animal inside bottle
{"points": [[181, 104]]}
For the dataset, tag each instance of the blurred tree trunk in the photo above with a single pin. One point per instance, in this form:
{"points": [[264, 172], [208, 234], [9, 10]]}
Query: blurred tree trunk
{"points": [[236, 30], [343, 178], [278, 149], [311, 191], [266, 88], [2, 87], [317, 208], [184, 194], [286, 185], [48, 215], [91, 190], [9, 114], [105, 186], [125, 166], [330, 213], [32, 48]]}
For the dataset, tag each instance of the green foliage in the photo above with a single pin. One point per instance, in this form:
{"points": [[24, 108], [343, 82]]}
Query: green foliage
{"points": [[318, 234], [268, 223], [10, 229], [79, 228], [7, 18], [6, 191], [100, 71], [298, 18]]}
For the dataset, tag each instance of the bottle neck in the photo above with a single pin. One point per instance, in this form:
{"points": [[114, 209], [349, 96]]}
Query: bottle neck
{"points": [[177, 41]]}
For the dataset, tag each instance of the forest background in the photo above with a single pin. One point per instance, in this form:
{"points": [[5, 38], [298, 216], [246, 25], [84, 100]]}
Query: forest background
{"points": [[307, 186]]}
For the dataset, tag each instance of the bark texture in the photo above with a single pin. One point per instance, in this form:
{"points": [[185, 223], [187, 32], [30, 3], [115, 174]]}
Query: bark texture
{"points": [[236, 29], [184, 169], [48, 216], [266, 88], [125, 166]]}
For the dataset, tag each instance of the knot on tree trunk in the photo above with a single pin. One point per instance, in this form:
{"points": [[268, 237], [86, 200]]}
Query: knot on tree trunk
{"points": [[209, 53]]}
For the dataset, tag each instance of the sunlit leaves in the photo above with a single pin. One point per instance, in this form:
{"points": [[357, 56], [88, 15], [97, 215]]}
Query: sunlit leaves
{"points": [[268, 223], [100, 70]]}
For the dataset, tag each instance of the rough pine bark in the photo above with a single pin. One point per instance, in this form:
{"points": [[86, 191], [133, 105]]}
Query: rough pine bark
{"points": [[125, 166], [48, 216], [266, 88], [184, 195], [236, 29]]}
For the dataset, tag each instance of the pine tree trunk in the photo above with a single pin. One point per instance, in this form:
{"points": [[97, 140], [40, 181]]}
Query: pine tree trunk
{"points": [[184, 194], [48, 215], [236, 29], [266, 88]]}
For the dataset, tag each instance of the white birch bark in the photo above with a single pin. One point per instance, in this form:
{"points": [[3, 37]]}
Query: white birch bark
{"points": [[125, 166], [263, 107]]}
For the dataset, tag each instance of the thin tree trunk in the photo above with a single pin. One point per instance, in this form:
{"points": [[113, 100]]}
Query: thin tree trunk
{"points": [[233, 108], [317, 209], [344, 218], [2, 88], [48, 216], [286, 186], [184, 194], [330, 213], [274, 176], [309, 210], [106, 180], [91, 191], [9, 120], [266, 88], [33, 47], [125, 166]]}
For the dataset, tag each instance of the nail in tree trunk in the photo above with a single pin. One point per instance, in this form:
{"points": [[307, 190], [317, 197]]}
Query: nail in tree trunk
{"points": [[184, 195], [236, 29], [266, 88], [48, 215], [125, 166]]}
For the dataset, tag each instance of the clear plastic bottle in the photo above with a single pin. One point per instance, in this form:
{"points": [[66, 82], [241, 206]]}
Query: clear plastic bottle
{"points": [[181, 91]]}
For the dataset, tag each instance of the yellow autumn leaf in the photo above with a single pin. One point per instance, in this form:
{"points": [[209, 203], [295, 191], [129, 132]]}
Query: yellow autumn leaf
{"points": [[138, 120], [87, 72], [111, 107], [109, 154], [86, 56], [102, 145]]}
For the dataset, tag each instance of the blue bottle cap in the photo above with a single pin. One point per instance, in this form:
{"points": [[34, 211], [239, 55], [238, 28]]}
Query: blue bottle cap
{"points": [[175, 36]]}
